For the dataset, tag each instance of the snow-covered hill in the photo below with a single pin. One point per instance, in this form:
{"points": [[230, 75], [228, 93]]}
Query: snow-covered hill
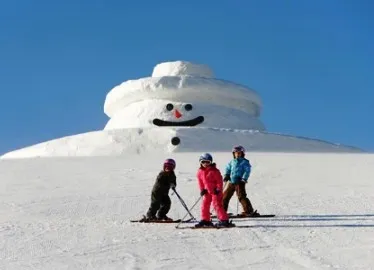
{"points": [[73, 213]]}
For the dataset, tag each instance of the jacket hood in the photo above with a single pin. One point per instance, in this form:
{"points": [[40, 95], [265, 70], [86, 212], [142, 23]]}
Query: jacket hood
{"points": [[239, 158], [243, 155]]}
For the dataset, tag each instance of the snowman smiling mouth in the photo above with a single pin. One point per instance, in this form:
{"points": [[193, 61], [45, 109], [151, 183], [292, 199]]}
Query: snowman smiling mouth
{"points": [[188, 123]]}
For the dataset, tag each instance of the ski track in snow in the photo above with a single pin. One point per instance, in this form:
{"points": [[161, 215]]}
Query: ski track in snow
{"points": [[74, 214]]}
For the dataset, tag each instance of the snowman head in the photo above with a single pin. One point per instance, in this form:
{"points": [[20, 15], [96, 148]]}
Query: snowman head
{"points": [[182, 94], [171, 113]]}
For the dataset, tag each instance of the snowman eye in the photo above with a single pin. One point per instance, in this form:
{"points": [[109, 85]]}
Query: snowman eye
{"points": [[188, 107], [169, 107]]}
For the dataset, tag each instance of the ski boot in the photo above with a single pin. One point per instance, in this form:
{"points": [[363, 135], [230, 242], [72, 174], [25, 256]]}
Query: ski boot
{"points": [[250, 214], [148, 218], [164, 218], [224, 224], [254, 214], [204, 223]]}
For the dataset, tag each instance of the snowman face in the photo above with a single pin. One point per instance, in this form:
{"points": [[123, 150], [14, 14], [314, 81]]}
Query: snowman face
{"points": [[170, 113], [178, 112]]}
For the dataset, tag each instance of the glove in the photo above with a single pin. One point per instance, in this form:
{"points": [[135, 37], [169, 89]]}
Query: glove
{"points": [[226, 178], [216, 191], [203, 192], [172, 186]]}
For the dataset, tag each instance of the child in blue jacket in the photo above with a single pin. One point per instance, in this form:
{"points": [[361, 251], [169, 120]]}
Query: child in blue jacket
{"points": [[237, 173]]}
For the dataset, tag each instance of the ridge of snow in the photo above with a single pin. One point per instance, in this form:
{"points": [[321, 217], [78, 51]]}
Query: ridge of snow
{"points": [[182, 68], [119, 142], [183, 89]]}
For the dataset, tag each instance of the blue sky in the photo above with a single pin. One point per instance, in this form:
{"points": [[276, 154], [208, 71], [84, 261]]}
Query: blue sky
{"points": [[311, 61]]}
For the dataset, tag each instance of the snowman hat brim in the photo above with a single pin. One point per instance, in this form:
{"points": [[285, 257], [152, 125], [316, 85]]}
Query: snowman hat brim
{"points": [[183, 89]]}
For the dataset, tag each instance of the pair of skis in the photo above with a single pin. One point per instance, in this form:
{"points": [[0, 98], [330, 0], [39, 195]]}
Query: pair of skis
{"points": [[231, 216], [180, 221], [231, 225]]}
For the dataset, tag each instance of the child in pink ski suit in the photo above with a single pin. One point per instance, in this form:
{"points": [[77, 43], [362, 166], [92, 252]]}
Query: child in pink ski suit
{"points": [[211, 185]]}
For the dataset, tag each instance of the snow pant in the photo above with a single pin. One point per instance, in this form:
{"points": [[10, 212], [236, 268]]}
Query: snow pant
{"points": [[242, 196], [217, 204], [160, 204]]}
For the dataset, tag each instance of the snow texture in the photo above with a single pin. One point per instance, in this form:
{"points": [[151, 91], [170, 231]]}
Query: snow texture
{"points": [[73, 213], [121, 142], [182, 68]]}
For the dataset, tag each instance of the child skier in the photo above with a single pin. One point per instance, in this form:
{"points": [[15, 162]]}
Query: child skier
{"points": [[160, 200], [237, 173], [210, 184]]}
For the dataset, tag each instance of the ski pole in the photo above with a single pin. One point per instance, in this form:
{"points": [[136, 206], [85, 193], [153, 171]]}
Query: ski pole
{"points": [[189, 211], [237, 206], [237, 201], [224, 186], [183, 204]]}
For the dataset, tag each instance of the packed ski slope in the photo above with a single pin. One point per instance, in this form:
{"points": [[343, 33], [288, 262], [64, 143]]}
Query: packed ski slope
{"points": [[73, 213]]}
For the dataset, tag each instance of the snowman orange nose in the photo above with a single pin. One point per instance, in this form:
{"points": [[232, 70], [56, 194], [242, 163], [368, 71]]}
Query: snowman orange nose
{"points": [[177, 114]]}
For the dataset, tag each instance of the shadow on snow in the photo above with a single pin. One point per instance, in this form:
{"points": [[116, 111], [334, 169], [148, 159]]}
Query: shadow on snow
{"points": [[310, 218], [306, 226]]}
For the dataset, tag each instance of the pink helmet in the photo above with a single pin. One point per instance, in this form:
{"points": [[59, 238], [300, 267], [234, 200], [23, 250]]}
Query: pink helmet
{"points": [[170, 163]]}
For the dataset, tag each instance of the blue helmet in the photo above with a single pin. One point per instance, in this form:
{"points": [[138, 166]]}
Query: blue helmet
{"points": [[206, 156]]}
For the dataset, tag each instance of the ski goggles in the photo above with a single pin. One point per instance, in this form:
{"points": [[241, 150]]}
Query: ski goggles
{"points": [[205, 162]]}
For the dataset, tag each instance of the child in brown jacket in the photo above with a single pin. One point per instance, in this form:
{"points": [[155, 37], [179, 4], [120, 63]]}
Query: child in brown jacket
{"points": [[160, 200]]}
